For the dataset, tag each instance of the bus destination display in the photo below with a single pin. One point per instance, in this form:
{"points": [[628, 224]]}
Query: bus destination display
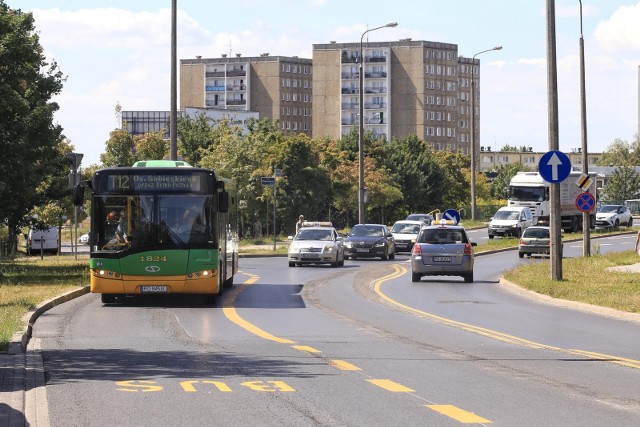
{"points": [[153, 183]]}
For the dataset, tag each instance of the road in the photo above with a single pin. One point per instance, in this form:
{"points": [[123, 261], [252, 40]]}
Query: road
{"points": [[354, 346]]}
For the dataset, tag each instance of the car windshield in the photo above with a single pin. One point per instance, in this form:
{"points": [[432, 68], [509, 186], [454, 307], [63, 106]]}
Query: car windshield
{"points": [[314, 235], [406, 228], [609, 208], [538, 233], [367, 230], [507, 215], [440, 236]]}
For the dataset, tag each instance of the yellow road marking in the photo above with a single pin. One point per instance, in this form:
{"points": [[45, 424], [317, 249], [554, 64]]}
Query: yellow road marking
{"points": [[306, 348], [458, 414], [399, 270], [233, 316], [343, 366], [391, 386], [188, 385]]}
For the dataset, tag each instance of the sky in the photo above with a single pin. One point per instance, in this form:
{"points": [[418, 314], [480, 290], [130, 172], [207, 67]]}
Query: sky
{"points": [[119, 52]]}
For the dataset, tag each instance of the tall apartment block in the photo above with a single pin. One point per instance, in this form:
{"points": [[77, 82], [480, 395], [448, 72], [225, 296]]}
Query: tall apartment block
{"points": [[410, 88], [276, 87]]}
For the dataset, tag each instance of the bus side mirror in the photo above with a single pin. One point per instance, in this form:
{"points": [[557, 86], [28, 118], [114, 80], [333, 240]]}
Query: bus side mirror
{"points": [[223, 201], [78, 195]]}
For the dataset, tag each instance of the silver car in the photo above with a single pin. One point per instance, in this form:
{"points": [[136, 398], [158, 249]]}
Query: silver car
{"points": [[316, 243], [442, 250]]}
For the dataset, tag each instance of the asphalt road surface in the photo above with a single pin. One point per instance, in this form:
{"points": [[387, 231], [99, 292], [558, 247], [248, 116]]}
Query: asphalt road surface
{"points": [[354, 346]]}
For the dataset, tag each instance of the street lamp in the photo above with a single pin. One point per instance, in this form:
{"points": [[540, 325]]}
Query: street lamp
{"points": [[361, 191], [473, 132]]}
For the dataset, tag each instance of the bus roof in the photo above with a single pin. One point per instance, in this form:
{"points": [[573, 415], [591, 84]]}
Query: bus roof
{"points": [[161, 164]]}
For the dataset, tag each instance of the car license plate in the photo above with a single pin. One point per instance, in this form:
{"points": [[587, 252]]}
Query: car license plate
{"points": [[441, 259], [362, 250], [154, 289]]}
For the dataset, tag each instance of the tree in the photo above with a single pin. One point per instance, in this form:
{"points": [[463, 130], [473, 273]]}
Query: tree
{"points": [[621, 153], [623, 184], [420, 176], [29, 139], [194, 136], [119, 149], [151, 146]]}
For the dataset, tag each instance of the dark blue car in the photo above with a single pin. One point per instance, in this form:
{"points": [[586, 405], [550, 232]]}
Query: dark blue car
{"points": [[370, 241]]}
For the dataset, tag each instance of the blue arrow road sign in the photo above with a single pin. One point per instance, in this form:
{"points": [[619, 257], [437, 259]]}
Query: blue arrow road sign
{"points": [[451, 215], [554, 166], [585, 202]]}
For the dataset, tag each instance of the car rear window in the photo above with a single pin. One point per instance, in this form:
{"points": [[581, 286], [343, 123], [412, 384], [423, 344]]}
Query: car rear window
{"points": [[443, 236], [537, 233]]}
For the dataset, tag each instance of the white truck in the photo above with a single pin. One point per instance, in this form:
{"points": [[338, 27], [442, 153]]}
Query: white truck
{"points": [[531, 190]]}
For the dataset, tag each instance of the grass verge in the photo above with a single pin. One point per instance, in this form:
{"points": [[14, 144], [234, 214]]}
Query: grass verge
{"points": [[28, 282], [586, 280]]}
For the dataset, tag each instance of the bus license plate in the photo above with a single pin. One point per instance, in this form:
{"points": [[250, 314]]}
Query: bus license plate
{"points": [[441, 259], [153, 289]]}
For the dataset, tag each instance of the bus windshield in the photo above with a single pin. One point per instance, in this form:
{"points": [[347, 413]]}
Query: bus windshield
{"points": [[153, 222], [527, 194]]}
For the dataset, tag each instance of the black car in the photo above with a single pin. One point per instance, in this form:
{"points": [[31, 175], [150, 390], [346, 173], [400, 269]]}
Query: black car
{"points": [[370, 241]]}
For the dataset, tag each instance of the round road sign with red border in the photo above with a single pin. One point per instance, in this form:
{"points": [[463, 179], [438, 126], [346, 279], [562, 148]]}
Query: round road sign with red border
{"points": [[585, 202]]}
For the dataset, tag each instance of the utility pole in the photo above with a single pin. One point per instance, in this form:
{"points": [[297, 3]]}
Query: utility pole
{"points": [[586, 216], [555, 220]]}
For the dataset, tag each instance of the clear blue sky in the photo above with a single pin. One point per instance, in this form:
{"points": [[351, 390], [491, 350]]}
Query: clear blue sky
{"points": [[121, 53]]}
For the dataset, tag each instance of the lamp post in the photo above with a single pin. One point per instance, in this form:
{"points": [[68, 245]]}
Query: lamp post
{"points": [[586, 216], [473, 131], [361, 191]]}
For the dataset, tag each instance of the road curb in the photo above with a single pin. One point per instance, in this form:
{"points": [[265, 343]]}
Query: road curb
{"points": [[20, 340], [573, 305]]}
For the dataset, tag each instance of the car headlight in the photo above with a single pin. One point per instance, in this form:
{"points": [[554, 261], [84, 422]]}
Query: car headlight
{"points": [[379, 244], [348, 244], [294, 249], [329, 248]]}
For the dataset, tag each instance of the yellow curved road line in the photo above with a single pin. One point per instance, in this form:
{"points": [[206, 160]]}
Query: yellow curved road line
{"points": [[232, 315], [400, 270]]}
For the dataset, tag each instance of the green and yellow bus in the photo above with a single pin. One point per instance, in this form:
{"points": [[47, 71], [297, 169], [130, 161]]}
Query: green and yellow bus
{"points": [[161, 227]]}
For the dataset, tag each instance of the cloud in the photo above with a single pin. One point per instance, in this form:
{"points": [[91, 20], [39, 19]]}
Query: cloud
{"points": [[621, 32]]}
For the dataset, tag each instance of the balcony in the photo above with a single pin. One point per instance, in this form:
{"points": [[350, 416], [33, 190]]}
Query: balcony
{"points": [[379, 75], [236, 73], [376, 106], [237, 102], [214, 74], [375, 59], [346, 76], [236, 88], [349, 105], [349, 90], [214, 88], [375, 90]]}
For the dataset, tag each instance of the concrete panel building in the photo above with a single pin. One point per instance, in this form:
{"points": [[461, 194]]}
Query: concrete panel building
{"points": [[410, 88], [276, 87]]}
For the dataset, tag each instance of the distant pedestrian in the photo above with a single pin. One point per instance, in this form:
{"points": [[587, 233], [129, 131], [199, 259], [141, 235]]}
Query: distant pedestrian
{"points": [[299, 223]]}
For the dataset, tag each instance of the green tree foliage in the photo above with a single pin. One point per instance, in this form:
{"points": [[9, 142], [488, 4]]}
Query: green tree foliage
{"points": [[119, 149], [151, 146], [194, 136], [304, 188], [621, 153], [420, 177], [30, 142], [623, 184]]}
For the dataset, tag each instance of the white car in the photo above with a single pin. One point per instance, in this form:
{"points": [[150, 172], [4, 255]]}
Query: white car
{"points": [[611, 216], [84, 239], [405, 233], [316, 243]]}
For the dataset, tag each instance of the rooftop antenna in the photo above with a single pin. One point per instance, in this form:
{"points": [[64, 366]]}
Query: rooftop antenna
{"points": [[230, 50]]}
